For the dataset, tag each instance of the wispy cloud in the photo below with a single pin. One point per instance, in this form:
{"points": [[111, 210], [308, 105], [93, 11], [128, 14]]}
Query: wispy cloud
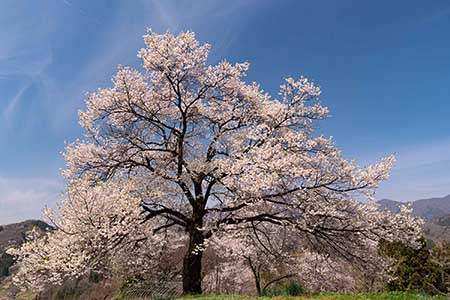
{"points": [[23, 63], [24, 198], [421, 171], [221, 19], [13, 101]]}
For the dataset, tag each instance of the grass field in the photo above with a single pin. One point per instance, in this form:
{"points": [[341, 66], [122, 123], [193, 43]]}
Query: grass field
{"points": [[318, 296], [326, 296]]}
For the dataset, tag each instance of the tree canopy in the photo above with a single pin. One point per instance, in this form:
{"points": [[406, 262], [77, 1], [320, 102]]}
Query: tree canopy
{"points": [[183, 152]]}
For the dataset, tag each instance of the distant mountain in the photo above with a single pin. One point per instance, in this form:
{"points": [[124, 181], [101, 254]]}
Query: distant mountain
{"points": [[435, 212], [432, 208], [14, 235], [428, 209], [391, 205]]}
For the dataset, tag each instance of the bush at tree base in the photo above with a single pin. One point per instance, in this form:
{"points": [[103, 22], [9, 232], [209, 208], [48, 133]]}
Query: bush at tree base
{"points": [[289, 289]]}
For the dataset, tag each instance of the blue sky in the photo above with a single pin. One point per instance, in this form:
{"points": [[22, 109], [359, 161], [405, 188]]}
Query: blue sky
{"points": [[384, 67]]}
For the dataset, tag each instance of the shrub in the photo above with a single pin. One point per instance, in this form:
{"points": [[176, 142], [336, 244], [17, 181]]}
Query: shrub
{"points": [[6, 261], [290, 289], [94, 277]]}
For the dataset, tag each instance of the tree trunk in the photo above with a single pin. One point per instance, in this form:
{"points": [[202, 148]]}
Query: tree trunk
{"points": [[256, 275], [259, 291], [192, 263]]}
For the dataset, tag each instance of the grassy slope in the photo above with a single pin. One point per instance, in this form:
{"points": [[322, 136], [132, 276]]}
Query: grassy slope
{"points": [[326, 296]]}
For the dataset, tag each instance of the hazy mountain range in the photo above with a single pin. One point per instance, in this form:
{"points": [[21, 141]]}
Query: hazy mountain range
{"points": [[431, 209], [435, 212]]}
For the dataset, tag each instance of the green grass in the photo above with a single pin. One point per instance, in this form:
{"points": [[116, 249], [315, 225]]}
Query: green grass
{"points": [[325, 296]]}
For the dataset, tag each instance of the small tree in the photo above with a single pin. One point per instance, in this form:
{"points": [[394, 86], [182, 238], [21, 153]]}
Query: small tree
{"points": [[203, 151], [267, 251]]}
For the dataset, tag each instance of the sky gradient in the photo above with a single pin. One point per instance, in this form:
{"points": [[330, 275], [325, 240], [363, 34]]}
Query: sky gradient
{"points": [[384, 68]]}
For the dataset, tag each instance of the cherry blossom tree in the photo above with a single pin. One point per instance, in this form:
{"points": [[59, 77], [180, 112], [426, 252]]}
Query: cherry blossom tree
{"points": [[201, 151]]}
